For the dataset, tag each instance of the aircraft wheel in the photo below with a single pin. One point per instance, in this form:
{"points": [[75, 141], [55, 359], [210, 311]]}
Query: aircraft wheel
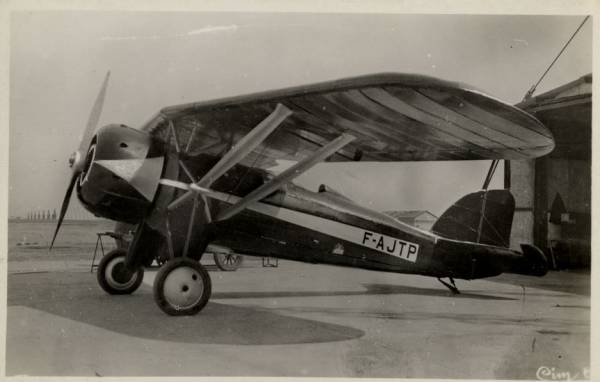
{"points": [[182, 287], [228, 261], [114, 278]]}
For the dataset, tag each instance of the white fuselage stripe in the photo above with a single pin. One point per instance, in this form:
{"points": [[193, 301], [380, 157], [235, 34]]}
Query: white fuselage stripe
{"points": [[387, 245]]}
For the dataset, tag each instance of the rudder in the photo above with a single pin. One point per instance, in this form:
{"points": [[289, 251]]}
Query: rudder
{"points": [[480, 217]]}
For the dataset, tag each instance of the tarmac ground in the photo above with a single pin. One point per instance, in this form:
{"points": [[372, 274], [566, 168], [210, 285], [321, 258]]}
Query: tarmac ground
{"points": [[299, 320]]}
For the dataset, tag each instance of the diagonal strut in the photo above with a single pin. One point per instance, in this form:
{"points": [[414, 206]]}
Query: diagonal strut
{"points": [[250, 141], [286, 176]]}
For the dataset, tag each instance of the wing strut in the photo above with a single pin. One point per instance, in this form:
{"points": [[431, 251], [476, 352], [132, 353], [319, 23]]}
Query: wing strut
{"points": [[486, 184], [286, 176], [239, 204], [490, 174], [252, 140]]}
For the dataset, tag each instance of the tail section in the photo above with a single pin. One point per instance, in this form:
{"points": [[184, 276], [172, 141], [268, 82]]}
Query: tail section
{"points": [[533, 262], [480, 217]]}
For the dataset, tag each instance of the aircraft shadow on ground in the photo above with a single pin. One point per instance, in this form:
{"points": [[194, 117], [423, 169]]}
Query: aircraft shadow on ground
{"points": [[76, 296], [79, 299], [370, 289]]}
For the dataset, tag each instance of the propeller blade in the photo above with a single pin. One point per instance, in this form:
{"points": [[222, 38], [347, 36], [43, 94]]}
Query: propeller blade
{"points": [[94, 117], [78, 158], [65, 205]]}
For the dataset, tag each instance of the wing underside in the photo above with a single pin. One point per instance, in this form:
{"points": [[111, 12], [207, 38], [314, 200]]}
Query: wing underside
{"points": [[394, 117]]}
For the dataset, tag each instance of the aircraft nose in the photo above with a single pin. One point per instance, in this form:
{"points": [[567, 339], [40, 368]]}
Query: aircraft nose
{"points": [[121, 172]]}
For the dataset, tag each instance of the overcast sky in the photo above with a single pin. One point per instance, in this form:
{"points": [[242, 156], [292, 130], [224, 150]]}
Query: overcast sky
{"points": [[58, 60]]}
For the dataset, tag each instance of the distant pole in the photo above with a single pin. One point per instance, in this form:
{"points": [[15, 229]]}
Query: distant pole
{"points": [[54, 214]]}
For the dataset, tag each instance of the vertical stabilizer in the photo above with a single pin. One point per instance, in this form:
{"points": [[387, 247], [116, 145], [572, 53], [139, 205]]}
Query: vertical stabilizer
{"points": [[481, 217]]}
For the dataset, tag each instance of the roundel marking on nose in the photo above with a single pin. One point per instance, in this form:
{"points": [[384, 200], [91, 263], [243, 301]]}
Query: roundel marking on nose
{"points": [[142, 174]]}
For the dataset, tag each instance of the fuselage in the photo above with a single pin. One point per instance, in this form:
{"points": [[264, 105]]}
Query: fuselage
{"points": [[122, 181], [320, 227]]}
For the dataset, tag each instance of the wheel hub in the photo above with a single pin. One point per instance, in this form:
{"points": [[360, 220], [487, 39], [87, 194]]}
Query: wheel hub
{"points": [[120, 273], [183, 287], [118, 276]]}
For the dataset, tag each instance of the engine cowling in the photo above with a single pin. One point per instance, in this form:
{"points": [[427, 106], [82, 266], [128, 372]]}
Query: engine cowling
{"points": [[121, 173]]}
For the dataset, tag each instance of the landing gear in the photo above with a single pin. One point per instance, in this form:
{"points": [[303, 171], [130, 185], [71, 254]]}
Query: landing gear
{"points": [[228, 261], [452, 287], [114, 277], [182, 287]]}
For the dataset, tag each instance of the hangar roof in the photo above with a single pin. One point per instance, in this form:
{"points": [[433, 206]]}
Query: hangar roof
{"points": [[567, 112]]}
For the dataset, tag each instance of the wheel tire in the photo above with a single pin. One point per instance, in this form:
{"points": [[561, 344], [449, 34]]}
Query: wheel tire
{"points": [[182, 287], [111, 274], [228, 261]]}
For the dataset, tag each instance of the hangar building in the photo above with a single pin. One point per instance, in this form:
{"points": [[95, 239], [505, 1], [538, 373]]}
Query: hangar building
{"points": [[553, 193]]}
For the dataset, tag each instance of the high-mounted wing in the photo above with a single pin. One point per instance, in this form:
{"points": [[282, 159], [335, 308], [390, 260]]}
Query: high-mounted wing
{"points": [[394, 117]]}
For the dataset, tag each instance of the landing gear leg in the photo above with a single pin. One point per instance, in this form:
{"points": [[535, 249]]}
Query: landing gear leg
{"points": [[451, 286]]}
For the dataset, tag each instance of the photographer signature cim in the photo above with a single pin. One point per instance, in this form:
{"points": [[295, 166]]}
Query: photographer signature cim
{"points": [[546, 373]]}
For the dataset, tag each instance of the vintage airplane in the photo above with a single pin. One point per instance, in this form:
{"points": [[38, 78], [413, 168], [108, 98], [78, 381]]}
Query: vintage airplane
{"points": [[196, 174]]}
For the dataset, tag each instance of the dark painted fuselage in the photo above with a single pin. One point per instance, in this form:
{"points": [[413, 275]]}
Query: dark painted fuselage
{"points": [[348, 235], [320, 227]]}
